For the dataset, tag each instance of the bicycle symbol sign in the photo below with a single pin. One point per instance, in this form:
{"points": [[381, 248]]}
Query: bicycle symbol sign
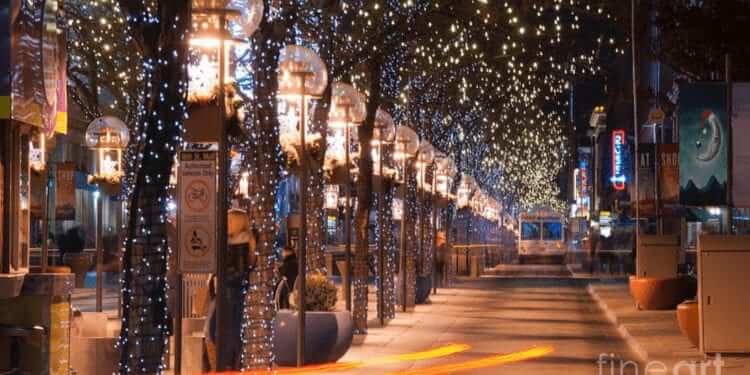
{"points": [[196, 195]]}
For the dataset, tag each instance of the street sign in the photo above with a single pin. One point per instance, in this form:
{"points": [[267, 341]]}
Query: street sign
{"points": [[196, 218], [656, 116]]}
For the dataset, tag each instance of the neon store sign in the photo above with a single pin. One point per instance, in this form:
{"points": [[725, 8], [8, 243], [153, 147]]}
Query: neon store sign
{"points": [[619, 144]]}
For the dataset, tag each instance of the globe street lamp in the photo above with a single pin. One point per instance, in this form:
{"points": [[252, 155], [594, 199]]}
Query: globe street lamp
{"points": [[407, 144], [106, 137], [302, 76], [348, 109], [384, 133]]}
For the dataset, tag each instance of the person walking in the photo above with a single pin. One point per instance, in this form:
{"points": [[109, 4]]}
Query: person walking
{"points": [[239, 260]]}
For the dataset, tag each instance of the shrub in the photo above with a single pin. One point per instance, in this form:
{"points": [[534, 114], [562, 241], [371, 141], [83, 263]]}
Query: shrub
{"points": [[320, 294]]}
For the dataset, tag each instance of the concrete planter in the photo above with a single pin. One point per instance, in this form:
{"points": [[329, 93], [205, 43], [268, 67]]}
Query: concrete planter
{"points": [[689, 319], [661, 293], [424, 287], [328, 336], [92, 345]]}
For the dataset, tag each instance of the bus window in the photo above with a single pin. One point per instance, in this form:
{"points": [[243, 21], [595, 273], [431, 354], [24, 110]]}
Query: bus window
{"points": [[530, 231], [552, 231]]}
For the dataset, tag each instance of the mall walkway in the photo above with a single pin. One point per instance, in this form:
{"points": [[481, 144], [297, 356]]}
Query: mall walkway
{"points": [[493, 317]]}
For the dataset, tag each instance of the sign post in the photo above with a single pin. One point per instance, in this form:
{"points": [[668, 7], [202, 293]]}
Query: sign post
{"points": [[196, 219]]}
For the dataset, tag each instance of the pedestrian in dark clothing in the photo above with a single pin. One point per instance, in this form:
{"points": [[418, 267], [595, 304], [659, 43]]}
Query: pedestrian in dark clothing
{"points": [[288, 271]]}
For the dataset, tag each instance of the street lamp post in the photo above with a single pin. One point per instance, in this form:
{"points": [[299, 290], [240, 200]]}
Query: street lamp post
{"points": [[106, 137], [210, 35], [444, 172], [407, 144], [348, 109], [466, 189], [303, 76], [425, 156]]}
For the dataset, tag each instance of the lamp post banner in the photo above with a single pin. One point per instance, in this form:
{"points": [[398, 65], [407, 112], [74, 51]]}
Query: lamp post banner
{"points": [[740, 140], [669, 174], [65, 191], [703, 144], [646, 181], [5, 60], [196, 219]]}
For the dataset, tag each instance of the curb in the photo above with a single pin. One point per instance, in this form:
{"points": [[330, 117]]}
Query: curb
{"points": [[640, 352]]}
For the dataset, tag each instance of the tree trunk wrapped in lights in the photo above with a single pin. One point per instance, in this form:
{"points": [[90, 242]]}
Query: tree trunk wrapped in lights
{"points": [[365, 201], [264, 164], [410, 219], [386, 231], [146, 324], [316, 229]]}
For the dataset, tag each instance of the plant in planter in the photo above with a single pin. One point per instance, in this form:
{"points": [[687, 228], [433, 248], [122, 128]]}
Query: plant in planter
{"points": [[328, 333], [320, 294]]}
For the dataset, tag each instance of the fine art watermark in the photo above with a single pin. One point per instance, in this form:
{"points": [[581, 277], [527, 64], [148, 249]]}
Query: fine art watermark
{"points": [[609, 364]]}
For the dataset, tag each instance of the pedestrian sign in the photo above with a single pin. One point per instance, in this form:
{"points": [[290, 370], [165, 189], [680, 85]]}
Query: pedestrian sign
{"points": [[196, 217]]}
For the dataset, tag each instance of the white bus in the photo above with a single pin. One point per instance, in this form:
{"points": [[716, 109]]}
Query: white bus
{"points": [[541, 237]]}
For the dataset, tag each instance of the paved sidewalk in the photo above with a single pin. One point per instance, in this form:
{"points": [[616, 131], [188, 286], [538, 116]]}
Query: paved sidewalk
{"points": [[654, 336], [497, 317]]}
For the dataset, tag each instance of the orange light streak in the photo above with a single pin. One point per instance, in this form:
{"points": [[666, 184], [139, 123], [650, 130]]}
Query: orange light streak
{"points": [[496, 360], [442, 351]]}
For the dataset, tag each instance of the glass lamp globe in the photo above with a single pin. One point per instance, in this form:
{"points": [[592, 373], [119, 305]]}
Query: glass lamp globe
{"points": [[251, 13], [348, 106], [385, 127], [407, 143], [107, 137], [425, 154], [465, 189], [301, 73], [446, 171]]}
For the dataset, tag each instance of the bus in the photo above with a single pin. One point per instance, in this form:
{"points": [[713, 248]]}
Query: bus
{"points": [[541, 238]]}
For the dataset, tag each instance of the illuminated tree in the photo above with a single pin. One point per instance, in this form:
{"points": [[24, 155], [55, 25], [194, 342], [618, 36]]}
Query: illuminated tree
{"points": [[158, 31]]}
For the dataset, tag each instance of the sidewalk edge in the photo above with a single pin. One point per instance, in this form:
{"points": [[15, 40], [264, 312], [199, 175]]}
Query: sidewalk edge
{"points": [[637, 349]]}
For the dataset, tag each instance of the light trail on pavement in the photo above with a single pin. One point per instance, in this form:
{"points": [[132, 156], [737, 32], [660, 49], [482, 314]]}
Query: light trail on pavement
{"points": [[439, 352]]}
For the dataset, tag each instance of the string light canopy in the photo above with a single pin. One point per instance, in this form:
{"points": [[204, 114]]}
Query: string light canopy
{"points": [[466, 188], [302, 76], [107, 137]]}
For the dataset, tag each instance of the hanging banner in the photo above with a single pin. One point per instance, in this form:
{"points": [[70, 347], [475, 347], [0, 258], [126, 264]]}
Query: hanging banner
{"points": [[37, 65], [65, 191], [646, 179], [669, 174], [703, 144], [196, 216], [740, 140], [5, 22]]}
